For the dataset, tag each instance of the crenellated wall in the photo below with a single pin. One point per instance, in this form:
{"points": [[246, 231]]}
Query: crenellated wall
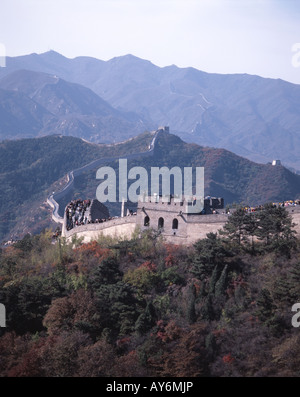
{"points": [[119, 227]]}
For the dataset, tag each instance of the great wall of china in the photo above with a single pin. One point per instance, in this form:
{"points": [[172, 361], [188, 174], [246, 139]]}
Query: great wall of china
{"points": [[172, 218], [53, 199], [176, 225]]}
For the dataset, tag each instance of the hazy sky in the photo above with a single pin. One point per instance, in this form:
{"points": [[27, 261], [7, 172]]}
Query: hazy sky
{"points": [[223, 36]]}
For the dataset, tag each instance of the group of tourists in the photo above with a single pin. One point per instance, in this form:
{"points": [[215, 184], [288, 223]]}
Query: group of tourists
{"points": [[76, 213], [103, 219], [288, 203]]}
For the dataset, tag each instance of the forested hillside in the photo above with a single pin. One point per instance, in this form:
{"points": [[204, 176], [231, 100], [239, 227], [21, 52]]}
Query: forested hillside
{"points": [[142, 307], [32, 168]]}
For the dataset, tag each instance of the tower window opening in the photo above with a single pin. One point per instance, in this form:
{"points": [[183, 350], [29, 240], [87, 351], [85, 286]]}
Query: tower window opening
{"points": [[175, 224], [161, 223]]}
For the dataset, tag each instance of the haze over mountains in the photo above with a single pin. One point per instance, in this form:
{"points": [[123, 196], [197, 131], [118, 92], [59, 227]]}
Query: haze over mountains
{"points": [[254, 117]]}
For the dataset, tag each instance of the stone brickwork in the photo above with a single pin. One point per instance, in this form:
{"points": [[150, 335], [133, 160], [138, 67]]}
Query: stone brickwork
{"points": [[119, 227]]}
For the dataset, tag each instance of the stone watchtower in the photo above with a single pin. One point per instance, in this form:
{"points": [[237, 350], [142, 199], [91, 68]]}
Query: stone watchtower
{"points": [[166, 216], [170, 216]]}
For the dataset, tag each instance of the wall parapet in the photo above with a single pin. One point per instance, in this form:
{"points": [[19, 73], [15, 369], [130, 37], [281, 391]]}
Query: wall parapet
{"points": [[95, 227], [211, 218]]}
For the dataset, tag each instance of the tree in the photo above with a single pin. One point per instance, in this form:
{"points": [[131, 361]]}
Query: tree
{"points": [[188, 357], [77, 310], [107, 272], [30, 360], [271, 224], [234, 228], [275, 227], [143, 278], [251, 227], [287, 288], [209, 252], [191, 312], [221, 283], [60, 354], [208, 308], [213, 279], [118, 309], [26, 244], [266, 306], [146, 319], [26, 302], [96, 360]]}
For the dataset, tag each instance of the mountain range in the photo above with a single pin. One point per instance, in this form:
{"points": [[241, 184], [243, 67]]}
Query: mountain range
{"points": [[254, 117], [36, 104]]}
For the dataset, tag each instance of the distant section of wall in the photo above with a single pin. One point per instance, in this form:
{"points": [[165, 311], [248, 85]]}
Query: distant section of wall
{"points": [[57, 218]]}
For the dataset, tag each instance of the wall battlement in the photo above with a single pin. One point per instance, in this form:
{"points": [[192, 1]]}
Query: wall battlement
{"points": [[113, 227], [179, 204]]}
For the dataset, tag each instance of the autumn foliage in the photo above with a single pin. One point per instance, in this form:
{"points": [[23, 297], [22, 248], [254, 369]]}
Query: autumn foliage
{"points": [[120, 308]]}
